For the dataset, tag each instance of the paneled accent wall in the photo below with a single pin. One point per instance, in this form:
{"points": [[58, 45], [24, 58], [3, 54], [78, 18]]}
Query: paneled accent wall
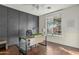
{"points": [[3, 22], [23, 26], [14, 23], [13, 20]]}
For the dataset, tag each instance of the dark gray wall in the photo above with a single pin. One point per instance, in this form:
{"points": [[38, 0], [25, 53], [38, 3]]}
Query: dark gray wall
{"points": [[3, 22], [23, 23], [13, 20], [15, 23]]}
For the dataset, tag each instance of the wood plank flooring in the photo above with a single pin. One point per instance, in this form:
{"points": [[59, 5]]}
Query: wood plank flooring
{"points": [[50, 49]]}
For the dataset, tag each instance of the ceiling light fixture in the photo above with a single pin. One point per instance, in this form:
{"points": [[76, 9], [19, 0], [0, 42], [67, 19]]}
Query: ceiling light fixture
{"points": [[48, 7], [37, 6]]}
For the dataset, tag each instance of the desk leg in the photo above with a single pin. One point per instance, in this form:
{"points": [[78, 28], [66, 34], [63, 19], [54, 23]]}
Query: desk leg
{"points": [[45, 40]]}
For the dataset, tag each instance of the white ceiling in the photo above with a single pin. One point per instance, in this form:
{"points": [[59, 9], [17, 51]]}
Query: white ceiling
{"points": [[29, 8]]}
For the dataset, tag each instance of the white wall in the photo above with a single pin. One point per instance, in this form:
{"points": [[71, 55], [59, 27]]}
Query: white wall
{"points": [[70, 26]]}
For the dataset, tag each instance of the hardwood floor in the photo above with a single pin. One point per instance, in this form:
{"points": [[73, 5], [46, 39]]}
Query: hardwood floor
{"points": [[12, 50], [51, 49]]}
